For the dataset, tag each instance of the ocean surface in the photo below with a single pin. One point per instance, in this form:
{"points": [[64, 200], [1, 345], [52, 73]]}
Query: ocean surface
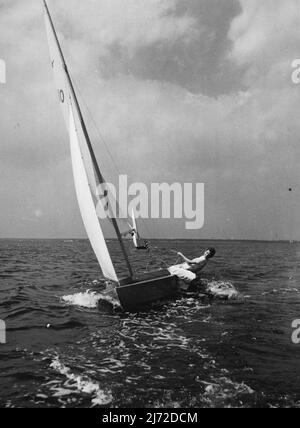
{"points": [[68, 345]]}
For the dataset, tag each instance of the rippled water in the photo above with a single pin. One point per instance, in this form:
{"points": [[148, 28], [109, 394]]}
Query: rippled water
{"points": [[69, 345]]}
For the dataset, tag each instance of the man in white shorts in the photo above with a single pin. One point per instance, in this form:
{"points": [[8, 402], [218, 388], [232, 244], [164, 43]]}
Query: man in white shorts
{"points": [[189, 270]]}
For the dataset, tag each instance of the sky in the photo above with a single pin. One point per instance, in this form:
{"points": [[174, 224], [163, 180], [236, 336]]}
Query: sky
{"points": [[188, 91]]}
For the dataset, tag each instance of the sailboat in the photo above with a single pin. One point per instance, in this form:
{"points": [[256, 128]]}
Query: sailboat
{"points": [[136, 236], [135, 290]]}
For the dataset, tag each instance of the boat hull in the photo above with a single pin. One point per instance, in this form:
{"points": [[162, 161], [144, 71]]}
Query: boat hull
{"points": [[147, 289]]}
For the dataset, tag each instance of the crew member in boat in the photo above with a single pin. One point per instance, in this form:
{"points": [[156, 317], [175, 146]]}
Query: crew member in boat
{"points": [[189, 270]]}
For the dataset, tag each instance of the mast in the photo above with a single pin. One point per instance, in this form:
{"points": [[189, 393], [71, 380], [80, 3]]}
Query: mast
{"points": [[88, 141]]}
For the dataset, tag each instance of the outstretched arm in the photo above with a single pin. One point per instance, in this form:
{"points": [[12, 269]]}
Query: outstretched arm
{"points": [[185, 258], [196, 261]]}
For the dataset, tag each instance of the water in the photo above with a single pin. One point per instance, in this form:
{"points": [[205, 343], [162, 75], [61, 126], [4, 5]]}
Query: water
{"points": [[69, 346]]}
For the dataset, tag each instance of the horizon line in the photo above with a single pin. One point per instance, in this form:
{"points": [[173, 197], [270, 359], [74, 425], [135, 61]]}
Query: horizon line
{"points": [[160, 239]]}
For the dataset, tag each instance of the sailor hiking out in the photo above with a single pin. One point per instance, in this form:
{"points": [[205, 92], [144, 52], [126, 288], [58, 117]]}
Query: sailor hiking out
{"points": [[189, 270]]}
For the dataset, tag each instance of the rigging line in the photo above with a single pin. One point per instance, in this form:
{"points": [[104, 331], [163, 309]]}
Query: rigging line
{"points": [[158, 258], [99, 134], [102, 139]]}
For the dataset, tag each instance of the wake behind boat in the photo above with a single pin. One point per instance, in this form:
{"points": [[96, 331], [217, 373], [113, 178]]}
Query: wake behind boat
{"points": [[135, 290]]}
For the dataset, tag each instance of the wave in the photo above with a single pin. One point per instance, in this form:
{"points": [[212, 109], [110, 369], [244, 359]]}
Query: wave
{"points": [[222, 290], [281, 291], [82, 384], [90, 299], [223, 391]]}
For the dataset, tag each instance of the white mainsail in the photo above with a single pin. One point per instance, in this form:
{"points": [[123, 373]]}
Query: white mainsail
{"points": [[86, 205], [86, 181]]}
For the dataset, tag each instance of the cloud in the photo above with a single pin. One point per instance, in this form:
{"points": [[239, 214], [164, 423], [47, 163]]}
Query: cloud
{"points": [[264, 28], [92, 32], [131, 24], [265, 37], [265, 41]]}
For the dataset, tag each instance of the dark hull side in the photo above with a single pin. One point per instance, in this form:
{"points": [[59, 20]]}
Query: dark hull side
{"points": [[147, 289]]}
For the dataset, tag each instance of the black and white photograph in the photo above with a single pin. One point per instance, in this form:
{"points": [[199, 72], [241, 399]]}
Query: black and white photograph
{"points": [[150, 206]]}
